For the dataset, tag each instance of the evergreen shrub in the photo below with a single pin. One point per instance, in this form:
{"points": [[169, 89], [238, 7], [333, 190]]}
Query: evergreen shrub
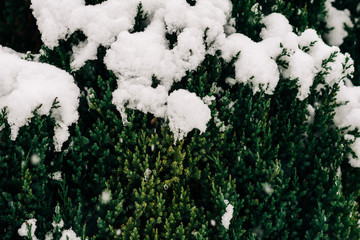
{"points": [[280, 170]]}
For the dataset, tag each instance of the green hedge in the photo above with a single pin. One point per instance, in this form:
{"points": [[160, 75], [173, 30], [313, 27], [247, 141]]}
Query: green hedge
{"points": [[279, 171]]}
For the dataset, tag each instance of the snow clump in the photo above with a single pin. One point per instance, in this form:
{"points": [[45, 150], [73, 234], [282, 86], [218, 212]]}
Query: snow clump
{"points": [[228, 215], [277, 36], [23, 230], [186, 111], [349, 115], [335, 20], [106, 196], [35, 159], [25, 85], [56, 176], [252, 58], [69, 235]]}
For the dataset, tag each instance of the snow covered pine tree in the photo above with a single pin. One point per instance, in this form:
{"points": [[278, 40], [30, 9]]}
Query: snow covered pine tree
{"points": [[179, 119]]}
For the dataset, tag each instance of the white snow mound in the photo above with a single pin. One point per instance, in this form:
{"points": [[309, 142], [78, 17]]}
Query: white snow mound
{"points": [[335, 20], [26, 85], [185, 112]]}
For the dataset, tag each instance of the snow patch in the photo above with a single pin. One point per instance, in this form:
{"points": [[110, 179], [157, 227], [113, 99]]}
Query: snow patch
{"points": [[69, 235], [185, 112], [35, 159], [311, 114], [144, 98], [355, 162], [106, 196], [348, 114], [252, 58], [25, 85], [101, 23], [268, 189], [23, 230], [58, 225], [228, 215], [56, 176], [336, 19], [301, 67], [276, 26], [147, 174]]}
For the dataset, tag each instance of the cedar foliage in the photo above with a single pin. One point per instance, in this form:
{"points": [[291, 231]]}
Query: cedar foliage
{"points": [[260, 141]]}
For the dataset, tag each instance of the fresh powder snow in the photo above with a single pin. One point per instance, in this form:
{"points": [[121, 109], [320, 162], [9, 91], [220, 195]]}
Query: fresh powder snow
{"points": [[336, 21], [183, 119], [26, 85]]}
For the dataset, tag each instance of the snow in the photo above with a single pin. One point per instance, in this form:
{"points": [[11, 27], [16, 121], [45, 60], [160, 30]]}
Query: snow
{"points": [[276, 26], [228, 215], [135, 63], [51, 23], [349, 115], [104, 23], [59, 224], [137, 96], [208, 100], [35, 159], [320, 51], [252, 58], [49, 236], [185, 112], [23, 230], [301, 67], [100, 23], [106, 196], [69, 235], [311, 112], [147, 174], [56, 176], [355, 162], [26, 85], [268, 188], [261, 55], [336, 19]]}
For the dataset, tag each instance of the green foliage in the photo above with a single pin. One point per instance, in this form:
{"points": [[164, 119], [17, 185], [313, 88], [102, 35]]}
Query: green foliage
{"points": [[260, 152], [140, 19], [18, 28], [247, 14]]}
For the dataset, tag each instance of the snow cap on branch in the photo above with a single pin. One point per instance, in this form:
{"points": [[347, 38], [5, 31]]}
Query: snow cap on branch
{"points": [[25, 85]]}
